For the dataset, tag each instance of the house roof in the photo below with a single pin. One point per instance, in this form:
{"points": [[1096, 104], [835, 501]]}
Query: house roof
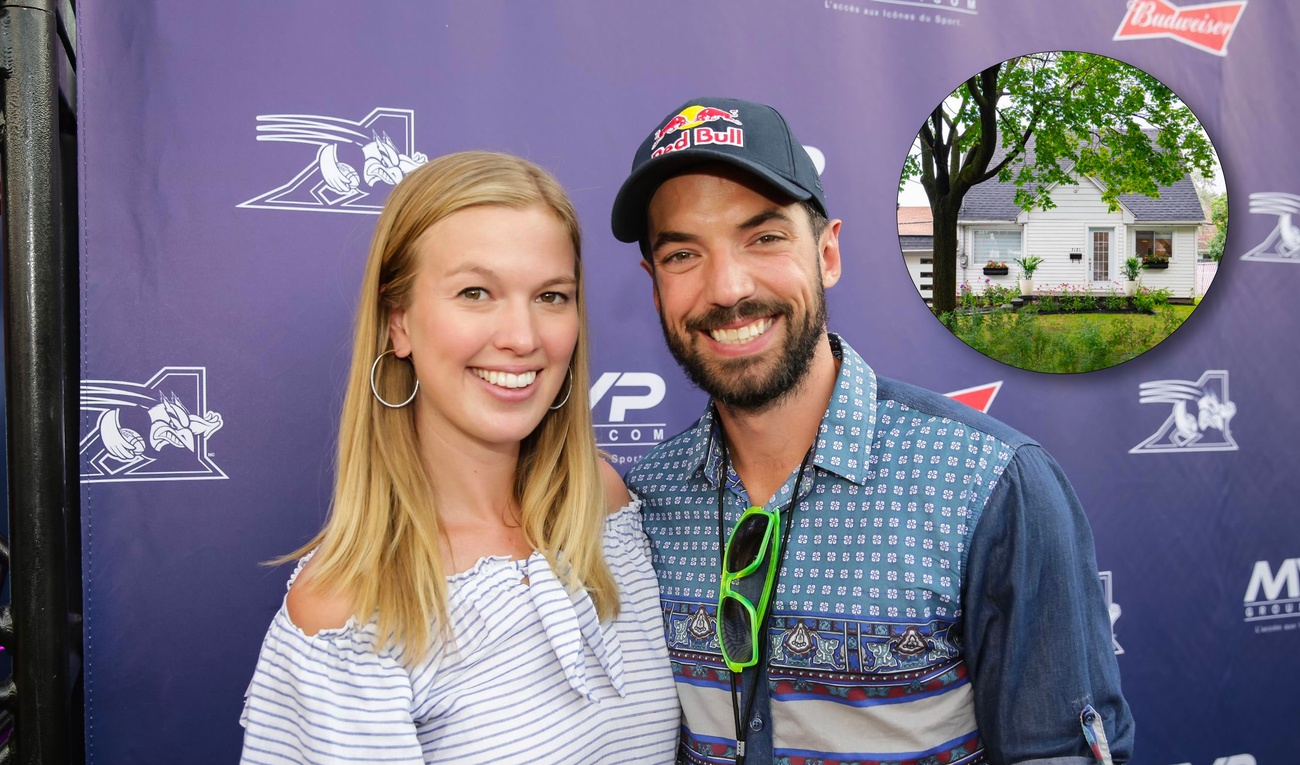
{"points": [[995, 201], [915, 220], [909, 242]]}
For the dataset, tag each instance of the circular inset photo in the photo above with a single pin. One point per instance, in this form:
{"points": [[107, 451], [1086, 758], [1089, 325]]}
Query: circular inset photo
{"points": [[1062, 212]]}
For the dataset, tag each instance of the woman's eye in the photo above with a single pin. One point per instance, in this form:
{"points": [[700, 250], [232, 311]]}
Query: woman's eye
{"points": [[553, 297], [474, 293]]}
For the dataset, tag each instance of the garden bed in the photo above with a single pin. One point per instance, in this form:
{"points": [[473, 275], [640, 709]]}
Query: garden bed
{"points": [[1099, 304]]}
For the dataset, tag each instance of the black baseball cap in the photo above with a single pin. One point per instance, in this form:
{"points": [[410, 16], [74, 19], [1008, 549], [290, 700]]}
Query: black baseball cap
{"points": [[753, 137]]}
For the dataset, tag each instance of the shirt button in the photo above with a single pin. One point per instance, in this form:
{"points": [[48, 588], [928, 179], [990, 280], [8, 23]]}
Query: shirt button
{"points": [[756, 724], [1088, 717]]}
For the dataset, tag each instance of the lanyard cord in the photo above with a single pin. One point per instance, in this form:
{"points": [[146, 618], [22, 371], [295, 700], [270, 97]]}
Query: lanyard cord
{"points": [[761, 649]]}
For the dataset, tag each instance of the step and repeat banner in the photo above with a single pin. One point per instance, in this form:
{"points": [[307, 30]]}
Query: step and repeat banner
{"points": [[223, 241]]}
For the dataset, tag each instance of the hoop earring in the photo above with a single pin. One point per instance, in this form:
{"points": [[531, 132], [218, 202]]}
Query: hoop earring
{"points": [[567, 393], [375, 390]]}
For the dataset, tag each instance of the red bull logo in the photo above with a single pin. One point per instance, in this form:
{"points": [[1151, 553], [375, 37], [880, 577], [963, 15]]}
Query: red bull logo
{"points": [[695, 116], [702, 136], [1208, 26]]}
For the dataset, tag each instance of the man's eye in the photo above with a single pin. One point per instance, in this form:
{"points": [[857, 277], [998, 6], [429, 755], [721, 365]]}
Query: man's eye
{"points": [[474, 293], [676, 257], [770, 238], [555, 298]]}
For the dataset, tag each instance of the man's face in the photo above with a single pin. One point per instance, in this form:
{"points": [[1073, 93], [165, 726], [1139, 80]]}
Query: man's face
{"points": [[739, 284]]}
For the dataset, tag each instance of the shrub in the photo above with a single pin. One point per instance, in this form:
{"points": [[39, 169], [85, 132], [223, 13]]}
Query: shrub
{"points": [[1028, 265]]}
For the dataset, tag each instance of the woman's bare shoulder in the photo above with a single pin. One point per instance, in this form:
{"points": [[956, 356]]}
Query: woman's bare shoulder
{"points": [[312, 609], [616, 494]]}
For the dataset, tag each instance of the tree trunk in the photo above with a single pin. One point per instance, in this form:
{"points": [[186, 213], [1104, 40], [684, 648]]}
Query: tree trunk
{"points": [[944, 281]]}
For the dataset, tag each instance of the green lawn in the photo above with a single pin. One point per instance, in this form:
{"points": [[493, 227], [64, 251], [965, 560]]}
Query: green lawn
{"points": [[1065, 343]]}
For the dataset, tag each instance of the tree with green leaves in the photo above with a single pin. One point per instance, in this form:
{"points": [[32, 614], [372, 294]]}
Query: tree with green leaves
{"points": [[1039, 120], [1219, 217]]}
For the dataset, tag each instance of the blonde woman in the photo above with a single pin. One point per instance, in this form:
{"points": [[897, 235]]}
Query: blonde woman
{"points": [[482, 590]]}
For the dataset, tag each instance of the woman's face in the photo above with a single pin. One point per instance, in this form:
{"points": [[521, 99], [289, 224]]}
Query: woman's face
{"points": [[490, 324]]}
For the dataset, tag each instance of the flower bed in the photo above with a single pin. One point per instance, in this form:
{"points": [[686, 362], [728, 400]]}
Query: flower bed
{"points": [[1066, 298]]}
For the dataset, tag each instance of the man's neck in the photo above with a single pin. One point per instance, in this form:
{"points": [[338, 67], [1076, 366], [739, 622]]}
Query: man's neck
{"points": [[766, 446]]}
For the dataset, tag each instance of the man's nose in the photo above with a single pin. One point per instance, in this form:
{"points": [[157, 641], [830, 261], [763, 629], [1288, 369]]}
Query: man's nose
{"points": [[730, 279]]}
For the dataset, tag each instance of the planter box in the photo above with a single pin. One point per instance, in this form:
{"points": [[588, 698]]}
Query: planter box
{"points": [[996, 271], [1156, 266]]}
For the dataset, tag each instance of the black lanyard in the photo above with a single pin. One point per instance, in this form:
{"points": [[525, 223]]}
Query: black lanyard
{"points": [[742, 730]]}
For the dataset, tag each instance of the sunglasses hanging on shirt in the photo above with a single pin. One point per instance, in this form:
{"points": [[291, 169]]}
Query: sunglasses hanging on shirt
{"points": [[751, 567]]}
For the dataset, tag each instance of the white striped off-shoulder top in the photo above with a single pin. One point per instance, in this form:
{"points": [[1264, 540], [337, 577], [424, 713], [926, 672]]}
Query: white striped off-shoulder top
{"points": [[534, 677]]}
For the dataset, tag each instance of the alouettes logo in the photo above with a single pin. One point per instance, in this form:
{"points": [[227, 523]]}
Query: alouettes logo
{"points": [[1282, 245], [157, 430], [1113, 609], [382, 144], [1207, 27], [1205, 429]]}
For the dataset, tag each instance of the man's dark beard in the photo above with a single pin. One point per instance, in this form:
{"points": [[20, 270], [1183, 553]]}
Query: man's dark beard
{"points": [[736, 382]]}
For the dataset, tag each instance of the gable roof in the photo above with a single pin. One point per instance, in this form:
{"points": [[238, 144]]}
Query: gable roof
{"points": [[996, 201], [915, 228], [915, 220]]}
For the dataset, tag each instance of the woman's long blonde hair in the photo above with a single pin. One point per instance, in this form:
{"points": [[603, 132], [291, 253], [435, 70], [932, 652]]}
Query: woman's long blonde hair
{"points": [[381, 544]]}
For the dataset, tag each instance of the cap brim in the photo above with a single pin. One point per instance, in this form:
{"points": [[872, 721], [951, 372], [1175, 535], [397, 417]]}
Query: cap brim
{"points": [[633, 200]]}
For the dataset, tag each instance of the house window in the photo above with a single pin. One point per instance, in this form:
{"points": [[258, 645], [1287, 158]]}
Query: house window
{"points": [[1155, 243], [1002, 245]]}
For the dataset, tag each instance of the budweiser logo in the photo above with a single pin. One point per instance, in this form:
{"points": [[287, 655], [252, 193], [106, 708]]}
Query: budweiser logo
{"points": [[1207, 27]]}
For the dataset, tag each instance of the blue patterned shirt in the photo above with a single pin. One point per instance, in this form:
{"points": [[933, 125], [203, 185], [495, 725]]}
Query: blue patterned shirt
{"points": [[938, 601]]}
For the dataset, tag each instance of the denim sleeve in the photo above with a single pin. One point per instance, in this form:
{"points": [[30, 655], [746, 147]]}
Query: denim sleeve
{"points": [[1037, 632]]}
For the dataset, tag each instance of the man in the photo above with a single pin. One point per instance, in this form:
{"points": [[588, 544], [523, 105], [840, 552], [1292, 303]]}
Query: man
{"points": [[935, 596]]}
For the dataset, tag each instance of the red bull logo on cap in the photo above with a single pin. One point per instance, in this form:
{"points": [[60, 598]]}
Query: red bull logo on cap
{"points": [[695, 116]]}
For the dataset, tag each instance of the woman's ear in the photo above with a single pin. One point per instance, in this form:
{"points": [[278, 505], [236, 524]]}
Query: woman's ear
{"points": [[397, 333]]}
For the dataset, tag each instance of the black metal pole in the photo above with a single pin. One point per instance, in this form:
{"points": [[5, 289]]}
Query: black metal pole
{"points": [[34, 290]]}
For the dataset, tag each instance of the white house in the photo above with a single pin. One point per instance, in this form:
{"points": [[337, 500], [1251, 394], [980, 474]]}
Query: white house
{"points": [[1082, 243]]}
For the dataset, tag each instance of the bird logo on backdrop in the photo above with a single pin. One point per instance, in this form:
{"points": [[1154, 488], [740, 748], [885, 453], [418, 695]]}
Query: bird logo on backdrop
{"points": [[381, 144], [1206, 429], [152, 431], [1112, 608], [1282, 245]]}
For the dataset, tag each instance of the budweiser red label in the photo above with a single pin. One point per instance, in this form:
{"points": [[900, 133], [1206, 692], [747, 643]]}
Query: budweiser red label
{"points": [[1208, 26]]}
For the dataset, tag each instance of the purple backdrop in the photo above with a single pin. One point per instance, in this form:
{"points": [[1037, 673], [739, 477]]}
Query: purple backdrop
{"points": [[221, 265]]}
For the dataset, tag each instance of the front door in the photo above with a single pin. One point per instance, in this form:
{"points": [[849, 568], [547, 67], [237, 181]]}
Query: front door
{"points": [[1100, 250]]}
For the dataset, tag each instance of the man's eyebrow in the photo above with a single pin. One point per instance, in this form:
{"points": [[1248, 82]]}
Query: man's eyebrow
{"points": [[678, 237], [765, 217], [672, 237]]}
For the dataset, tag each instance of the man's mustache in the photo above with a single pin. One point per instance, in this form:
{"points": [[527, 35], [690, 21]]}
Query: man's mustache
{"points": [[748, 309]]}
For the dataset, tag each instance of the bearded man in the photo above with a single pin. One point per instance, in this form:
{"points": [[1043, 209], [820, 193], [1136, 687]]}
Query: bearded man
{"points": [[852, 569]]}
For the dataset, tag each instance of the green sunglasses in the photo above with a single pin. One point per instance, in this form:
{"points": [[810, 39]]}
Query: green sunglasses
{"points": [[748, 569]]}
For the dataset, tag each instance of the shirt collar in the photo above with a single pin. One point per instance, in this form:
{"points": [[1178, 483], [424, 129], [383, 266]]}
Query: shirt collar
{"points": [[844, 438]]}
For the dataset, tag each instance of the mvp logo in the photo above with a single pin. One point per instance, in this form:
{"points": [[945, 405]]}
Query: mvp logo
{"points": [[1273, 594], [627, 392]]}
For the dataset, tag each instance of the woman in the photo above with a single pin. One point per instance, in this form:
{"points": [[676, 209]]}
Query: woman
{"points": [[482, 591]]}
